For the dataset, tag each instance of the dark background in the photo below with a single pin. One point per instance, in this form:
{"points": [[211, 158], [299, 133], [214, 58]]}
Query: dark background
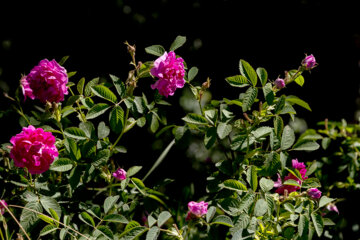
{"points": [[275, 35]]}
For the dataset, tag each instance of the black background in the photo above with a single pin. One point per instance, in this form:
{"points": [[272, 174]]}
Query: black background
{"points": [[275, 35]]}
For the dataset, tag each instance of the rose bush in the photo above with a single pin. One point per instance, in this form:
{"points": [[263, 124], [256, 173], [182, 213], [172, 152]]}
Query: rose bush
{"points": [[61, 171]]}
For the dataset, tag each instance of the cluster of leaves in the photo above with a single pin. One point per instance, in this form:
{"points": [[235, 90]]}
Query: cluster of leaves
{"points": [[78, 197]]}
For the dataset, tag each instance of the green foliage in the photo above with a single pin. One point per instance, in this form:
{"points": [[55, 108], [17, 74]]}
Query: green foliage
{"points": [[79, 198]]}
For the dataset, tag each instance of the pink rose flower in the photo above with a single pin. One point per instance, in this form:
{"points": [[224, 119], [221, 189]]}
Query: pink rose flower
{"points": [[279, 83], [297, 165], [46, 82], [2, 207], [170, 71], [309, 62], [279, 185], [196, 210], [120, 174], [314, 193], [34, 149]]}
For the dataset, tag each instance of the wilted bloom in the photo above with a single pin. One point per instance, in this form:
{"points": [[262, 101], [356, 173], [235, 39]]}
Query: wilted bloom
{"points": [[34, 149], [309, 62], [120, 174], [46, 82], [279, 83], [314, 193], [170, 71], [196, 210], [2, 206], [332, 207]]}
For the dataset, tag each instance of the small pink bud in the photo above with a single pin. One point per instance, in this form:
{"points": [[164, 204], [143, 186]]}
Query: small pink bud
{"points": [[314, 193], [279, 83], [309, 62], [332, 207], [120, 174], [2, 207]]}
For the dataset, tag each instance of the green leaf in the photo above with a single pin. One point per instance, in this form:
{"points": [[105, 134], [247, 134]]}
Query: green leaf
{"points": [[246, 201], [86, 218], [210, 213], [27, 217], [324, 200], [211, 115], [291, 182], [261, 132], [318, 223], [101, 158], [104, 92], [139, 185], [280, 104], [249, 98], [251, 177], [223, 130], [233, 184], [153, 233], [133, 233], [179, 41], [306, 146], [103, 130], [223, 220], [261, 207], [119, 85], [88, 86], [278, 125], [298, 101], [80, 86], [237, 81], [247, 71], [46, 219], [210, 137], [97, 110], [141, 121], [266, 184], [269, 93], [263, 75], [74, 132], [63, 60], [288, 138], [116, 119], [151, 221], [62, 165], [156, 50], [133, 170], [303, 224], [154, 125], [109, 203], [192, 73], [71, 74], [163, 217], [195, 119], [300, 80], [105, 231], [116, 218], [50, 203], [47, 229]]}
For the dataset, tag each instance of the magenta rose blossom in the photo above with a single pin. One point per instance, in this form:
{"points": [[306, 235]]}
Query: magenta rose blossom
{"points": [[34, 149], [196, 210], [46, 82], [309, 62], [279, 184], [2, 207], [170, 71], [314, 193], [279, 83], [120, 174]]}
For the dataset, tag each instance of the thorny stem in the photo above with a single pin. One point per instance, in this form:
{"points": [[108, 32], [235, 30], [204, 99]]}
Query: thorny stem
{"points": [[34, 211], [17, 222]]}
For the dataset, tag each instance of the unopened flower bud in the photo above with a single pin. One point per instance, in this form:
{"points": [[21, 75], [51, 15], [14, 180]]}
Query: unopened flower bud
{"points": [[314, 193], [309, 62], [120, 174], [279, 83], [206, 84]]}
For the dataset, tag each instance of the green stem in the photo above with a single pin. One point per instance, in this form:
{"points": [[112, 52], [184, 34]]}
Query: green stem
{"points": [[79, 107], [17, 222]]}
